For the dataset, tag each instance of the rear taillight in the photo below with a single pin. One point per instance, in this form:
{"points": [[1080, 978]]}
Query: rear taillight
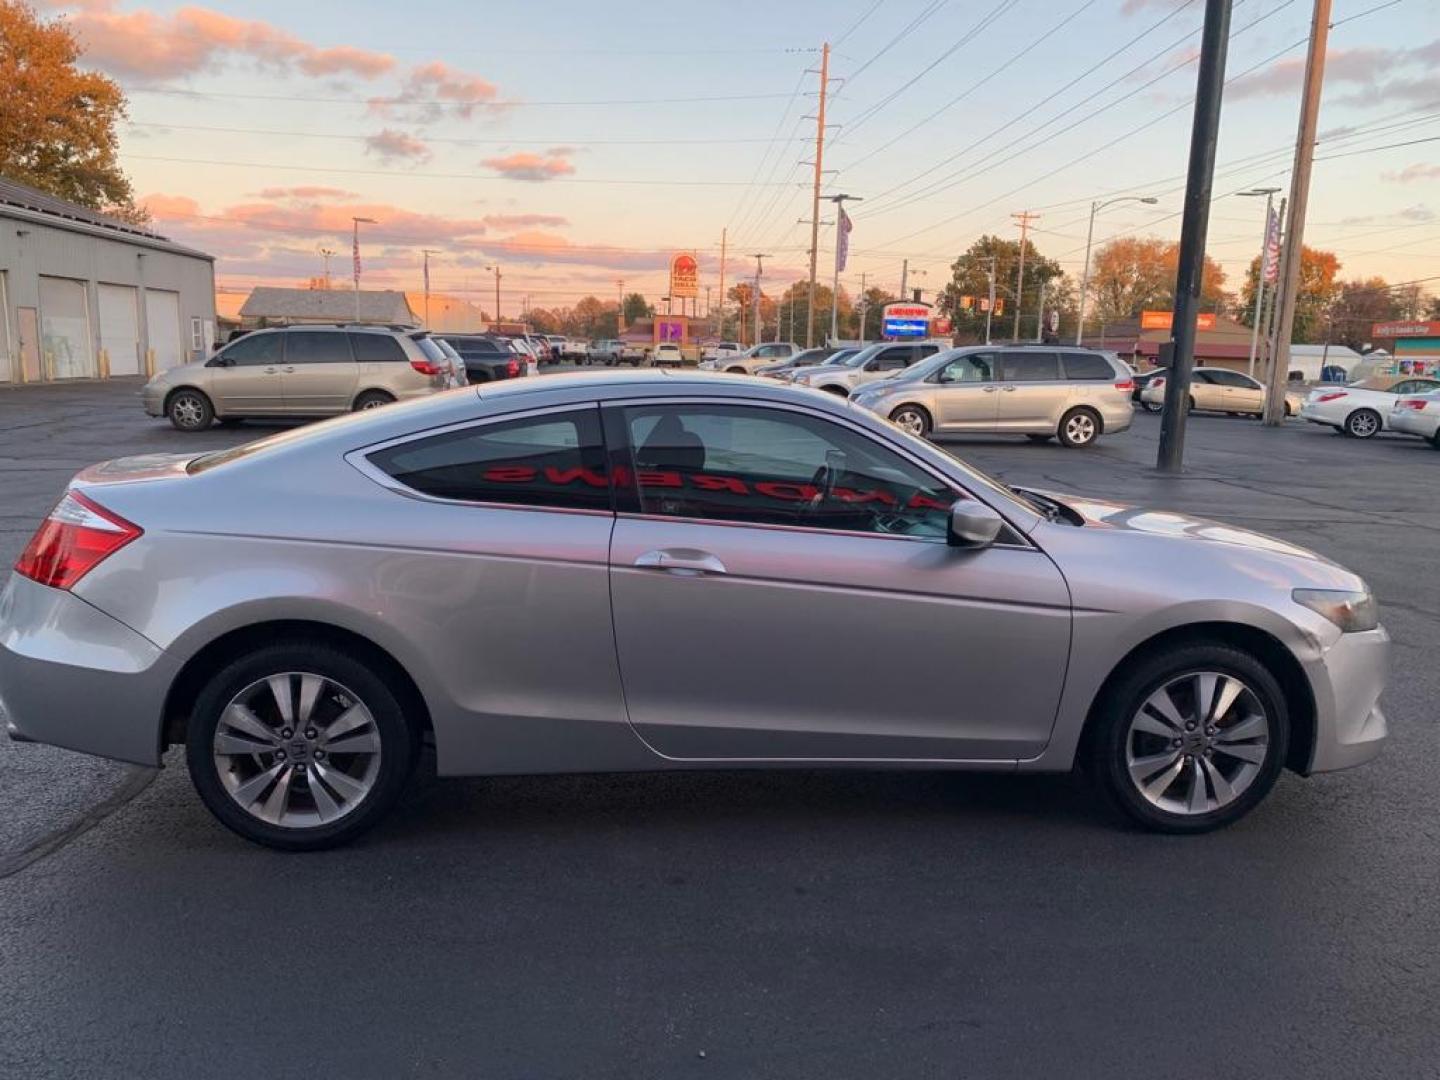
{"points": [[78, 535], [426, 367], [1128, 385], [1156, 382], [1334, 395], [1417, 404], [512, 369]]}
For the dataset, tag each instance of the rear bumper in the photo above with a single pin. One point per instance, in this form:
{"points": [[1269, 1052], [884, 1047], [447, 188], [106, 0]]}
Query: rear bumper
{"points": [[1411, 422], [72, 676], [1318, 415]]}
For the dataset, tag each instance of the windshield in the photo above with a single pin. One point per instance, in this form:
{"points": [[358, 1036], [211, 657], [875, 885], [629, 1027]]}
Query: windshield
{"points": [[838, 357], [858, 359]]}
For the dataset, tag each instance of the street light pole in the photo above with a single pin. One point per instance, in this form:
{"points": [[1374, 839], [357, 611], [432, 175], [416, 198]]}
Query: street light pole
{"points": [[1095, 208], [1269, 194], [759, 257], [425, 254]]}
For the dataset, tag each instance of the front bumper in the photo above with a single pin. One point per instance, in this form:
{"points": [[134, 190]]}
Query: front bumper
{"points": [[72, 676], [1347, 678], [153, 398]]}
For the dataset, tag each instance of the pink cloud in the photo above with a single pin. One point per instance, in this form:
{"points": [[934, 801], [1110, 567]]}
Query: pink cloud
{"points": [[305, 191], [528, 166], [1363, 67], [147, 45], [524, 221], [392, 145], [1412, 173]]}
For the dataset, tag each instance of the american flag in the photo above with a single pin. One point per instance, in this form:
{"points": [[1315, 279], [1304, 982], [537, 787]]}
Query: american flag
{"points": [[842, 245], [357, 254], [1270, 268]]}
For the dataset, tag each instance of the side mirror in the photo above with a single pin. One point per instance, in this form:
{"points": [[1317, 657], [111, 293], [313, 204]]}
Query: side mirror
{"points": [[217, 361], [973, 525]]}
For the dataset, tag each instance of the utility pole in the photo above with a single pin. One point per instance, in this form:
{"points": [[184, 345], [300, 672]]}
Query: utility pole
{"points": [[1040, 316], [839, 201], [1204, 131], [904, 279], [325, 254], [724, 235], [1272, 313], [707, 301], [1289, 284], [990, 311], [619, 306], [425, 254], [864, 310], [759, 269], [1095, 208], [815, 195], [496, 271], [1269, 194], [1024, 217]]}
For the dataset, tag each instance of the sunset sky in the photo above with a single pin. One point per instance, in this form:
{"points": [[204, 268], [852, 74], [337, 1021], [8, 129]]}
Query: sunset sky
{"points": [[580, 143]]}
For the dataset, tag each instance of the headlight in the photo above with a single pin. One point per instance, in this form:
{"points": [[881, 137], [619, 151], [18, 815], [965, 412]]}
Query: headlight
{"points": [[1352, 612]]}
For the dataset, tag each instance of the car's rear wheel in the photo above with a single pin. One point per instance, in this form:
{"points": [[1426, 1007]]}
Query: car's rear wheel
{"points": [[373, 399], [911, 418], [1191, 739], [189, 410], [735, 370], [1362, 424], [1079, 427], [299, 746]]}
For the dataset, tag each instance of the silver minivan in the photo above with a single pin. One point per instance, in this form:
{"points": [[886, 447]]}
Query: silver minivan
{"points": [[1041, 391], [299, 371]]}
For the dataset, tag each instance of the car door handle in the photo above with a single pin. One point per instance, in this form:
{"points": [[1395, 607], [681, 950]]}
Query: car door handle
{"points": [[1008, 389], [991, 389], [684, 561], [289, 371], [271, 370]]}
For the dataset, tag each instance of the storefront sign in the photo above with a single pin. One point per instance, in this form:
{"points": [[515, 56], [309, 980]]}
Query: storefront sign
{"points": [[905, 320], [1163, 320], [684, 276], [1405, 329]]}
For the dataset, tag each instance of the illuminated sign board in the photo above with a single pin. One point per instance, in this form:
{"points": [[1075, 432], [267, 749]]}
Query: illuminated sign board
{"points": [[684, 276], [1163, 320], [905, 320]]}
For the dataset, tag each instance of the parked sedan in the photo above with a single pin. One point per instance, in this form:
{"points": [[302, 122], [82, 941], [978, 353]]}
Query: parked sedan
{"points": [[1418, 415], [303, 656], [826, 354], [1043, 392], [1361, 409], [757, 356], [883, 360], [488, 358], [1220, 390]]}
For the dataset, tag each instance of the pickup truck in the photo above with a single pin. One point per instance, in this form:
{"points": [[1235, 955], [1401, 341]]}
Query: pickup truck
{"points": [[632, 352], [575, 349], [605, 352]]}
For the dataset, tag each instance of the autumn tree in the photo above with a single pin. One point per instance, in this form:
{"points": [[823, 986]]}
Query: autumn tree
{"points": [[1357, 306], [969, 276], [795, 311], [1317, 290], [635, 307], [872, 304], [57, 123], [592, 318], [1133, 274]]}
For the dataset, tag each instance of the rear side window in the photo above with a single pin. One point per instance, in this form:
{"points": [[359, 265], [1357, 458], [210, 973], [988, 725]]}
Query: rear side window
{"points": [[553, 460], [254, 350], [377, 349], [1029, 367], [430, 350], [1087, 366], [317, 347]]}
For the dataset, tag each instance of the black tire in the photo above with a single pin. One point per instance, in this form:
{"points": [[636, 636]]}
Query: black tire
{"points": [[1106, 744], [837, 390], [912, 418], [372, 399], [1360, 424], [735, 370], [1289, 412], [1435, 440], [399, 742], [1079, 428], [189, 410], [1189, 405]]}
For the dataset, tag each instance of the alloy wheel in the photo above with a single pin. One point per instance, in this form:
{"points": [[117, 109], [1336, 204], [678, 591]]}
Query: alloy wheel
{"points": [[297, 750], [1363, 424], [1197, 743], [1080, 429], [910, 420], [187, 411]]}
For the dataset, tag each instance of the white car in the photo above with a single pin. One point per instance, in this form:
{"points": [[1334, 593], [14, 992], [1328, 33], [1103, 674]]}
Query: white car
{"points": [[878, 361], [666, 354], [1221, 390], [576, 349], [1361, 409], [721, 350], [1418, 415], [757, 356]]}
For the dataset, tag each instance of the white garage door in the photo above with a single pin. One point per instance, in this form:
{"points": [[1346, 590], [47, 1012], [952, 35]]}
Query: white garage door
{"points": [[162, 314], [65, 329], [120, 328]]}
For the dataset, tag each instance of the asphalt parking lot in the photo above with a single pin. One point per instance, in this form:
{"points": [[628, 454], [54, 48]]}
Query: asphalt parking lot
{"points": [[744, 925]]}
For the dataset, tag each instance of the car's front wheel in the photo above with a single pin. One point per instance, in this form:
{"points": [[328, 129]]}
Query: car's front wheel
{"points": [[373, 399], [913, 419], [299, 746], [189, 410], [1191, 739], [1362, 424]]}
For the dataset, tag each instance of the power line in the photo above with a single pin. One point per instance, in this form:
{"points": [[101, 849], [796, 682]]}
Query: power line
{"points": [[409, 99], [857, 23], [557, 140]]}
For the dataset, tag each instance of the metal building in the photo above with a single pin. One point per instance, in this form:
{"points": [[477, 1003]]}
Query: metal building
{"points": [[83, 296]]}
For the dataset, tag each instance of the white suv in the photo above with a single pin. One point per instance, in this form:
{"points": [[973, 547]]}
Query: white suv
{"points": [[879, 361]]}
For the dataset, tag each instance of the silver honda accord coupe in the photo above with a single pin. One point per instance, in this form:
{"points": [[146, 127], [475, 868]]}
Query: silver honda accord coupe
{"points": [[607, 572]]}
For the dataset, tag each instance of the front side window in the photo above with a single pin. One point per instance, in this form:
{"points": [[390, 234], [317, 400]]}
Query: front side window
{"points": [[557, 459], [377, 349], [1233, 378], [774, 467], [971, 368], [317, 347], [1019, 367], [891, 359], [253, 350]]}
